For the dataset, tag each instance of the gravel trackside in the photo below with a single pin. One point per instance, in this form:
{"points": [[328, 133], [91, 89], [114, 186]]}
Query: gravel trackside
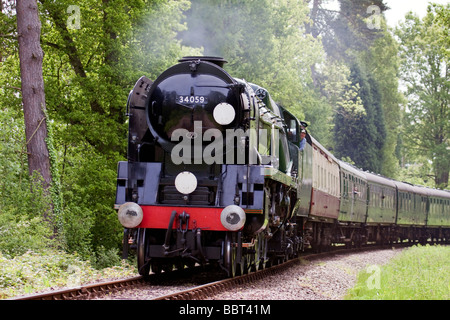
{"points": [[322, 279]]}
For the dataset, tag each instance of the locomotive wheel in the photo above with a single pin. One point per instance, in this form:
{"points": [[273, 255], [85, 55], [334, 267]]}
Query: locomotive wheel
{"points": [[142, 241], [240, 266], [246, 263], [126, 245], [255, 258], [261, 252], [231, 258]]}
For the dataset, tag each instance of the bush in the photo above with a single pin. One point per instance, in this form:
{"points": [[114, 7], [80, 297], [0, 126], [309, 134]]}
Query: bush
{"points": [[105, 258], [18, 234]]}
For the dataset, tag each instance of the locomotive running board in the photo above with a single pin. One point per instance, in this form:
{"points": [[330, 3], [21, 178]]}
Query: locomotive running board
{"points": [[277, 175]]}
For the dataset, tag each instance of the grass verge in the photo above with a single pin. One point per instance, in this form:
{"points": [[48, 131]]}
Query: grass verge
{"points": [[418, 273]]}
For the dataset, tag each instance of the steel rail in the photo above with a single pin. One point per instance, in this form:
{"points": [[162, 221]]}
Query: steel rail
{"points": [[206, 290], [84, 291]]}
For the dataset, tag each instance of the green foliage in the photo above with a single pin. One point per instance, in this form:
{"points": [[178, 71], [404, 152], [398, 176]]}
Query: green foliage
{"points": [[265, 42], [419, 273], [383, 64], [360, 134], [418, 173], [18, 234], [37, 271], [55, 187], [23, 202], [89, 72], [425, 58], [104, 258], [350, 31], [359, 105]]}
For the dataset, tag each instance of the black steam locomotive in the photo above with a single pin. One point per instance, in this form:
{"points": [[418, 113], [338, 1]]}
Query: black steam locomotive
{"points": [[215, 174]]}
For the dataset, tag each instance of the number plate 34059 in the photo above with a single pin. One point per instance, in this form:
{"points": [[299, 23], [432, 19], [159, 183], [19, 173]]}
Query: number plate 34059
{"points": [[192, 99]]}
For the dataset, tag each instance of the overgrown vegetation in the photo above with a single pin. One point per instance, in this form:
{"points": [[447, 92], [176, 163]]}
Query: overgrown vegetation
{"points": [[418, 273], [36, 271]]}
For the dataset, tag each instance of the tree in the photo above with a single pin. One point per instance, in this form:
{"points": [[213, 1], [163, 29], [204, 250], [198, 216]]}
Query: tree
{"points": [[425, 73], [89, 69], [382, 62], [348, 29], [360, 134], [33, 96], [352, 79], [264, 41]]}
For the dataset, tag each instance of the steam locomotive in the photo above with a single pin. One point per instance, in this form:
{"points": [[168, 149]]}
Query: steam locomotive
{"points": [[215, 175]]}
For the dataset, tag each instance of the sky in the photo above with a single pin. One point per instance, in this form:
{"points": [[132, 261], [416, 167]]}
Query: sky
{"points": [[399, 8]]}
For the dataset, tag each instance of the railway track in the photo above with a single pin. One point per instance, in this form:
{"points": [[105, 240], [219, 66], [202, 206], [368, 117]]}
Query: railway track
{"points": [[85, 292], [209, 289], [200, 292]]}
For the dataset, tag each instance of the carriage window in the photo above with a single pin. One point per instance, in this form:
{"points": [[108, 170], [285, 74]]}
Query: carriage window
{"points": [[329, 186]]}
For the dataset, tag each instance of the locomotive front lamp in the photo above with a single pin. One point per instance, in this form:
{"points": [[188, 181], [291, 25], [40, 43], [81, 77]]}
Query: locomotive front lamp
{"points": [[224, 113], [186, 182], [130, 215], [232, 217]]}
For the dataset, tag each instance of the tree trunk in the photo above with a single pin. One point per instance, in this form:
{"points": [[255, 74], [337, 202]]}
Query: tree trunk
{"points": [[33, 96], [441, 169]]}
